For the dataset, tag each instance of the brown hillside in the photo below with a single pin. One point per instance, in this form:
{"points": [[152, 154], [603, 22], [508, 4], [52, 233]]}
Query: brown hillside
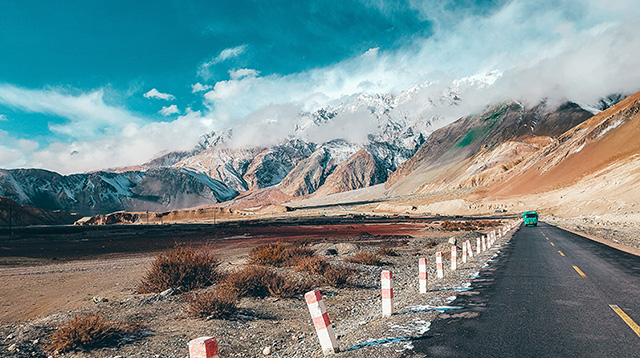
{"points": [[607, 138], [480, 150], [27, 215], [359, 171]]}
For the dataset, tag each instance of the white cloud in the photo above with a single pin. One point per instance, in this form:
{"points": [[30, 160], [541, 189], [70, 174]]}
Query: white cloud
{"points": [[353, 127], [167, 111], [154, 93], [232, 52], [14, 152], [199, 87], [242, 73], [11, 158], [3, 118], [101, 136], [87, 114], [28, 146], [224, 55], [134, 144]]}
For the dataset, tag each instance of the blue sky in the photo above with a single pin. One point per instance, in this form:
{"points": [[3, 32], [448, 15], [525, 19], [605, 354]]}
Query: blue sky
{"points": [[86, 85]]}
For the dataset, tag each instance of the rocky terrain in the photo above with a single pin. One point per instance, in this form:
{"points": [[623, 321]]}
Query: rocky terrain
{"points": [[13, 214], [104, 192], [279, 327]]}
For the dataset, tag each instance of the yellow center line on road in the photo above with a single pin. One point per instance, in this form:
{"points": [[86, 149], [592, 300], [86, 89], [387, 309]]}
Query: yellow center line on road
{"points": [[552, 244], [561, 254], [634, 326], [579, 272]]}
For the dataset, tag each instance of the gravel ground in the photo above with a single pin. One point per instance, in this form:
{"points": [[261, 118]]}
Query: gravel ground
{"points": [[285, 324]]}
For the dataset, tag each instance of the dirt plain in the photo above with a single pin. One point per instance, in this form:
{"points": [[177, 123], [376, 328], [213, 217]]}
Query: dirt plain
{"points": [[52, 274]]}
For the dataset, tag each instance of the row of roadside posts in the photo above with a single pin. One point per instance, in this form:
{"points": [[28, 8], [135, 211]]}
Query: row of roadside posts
{"points": [[207, 347]]}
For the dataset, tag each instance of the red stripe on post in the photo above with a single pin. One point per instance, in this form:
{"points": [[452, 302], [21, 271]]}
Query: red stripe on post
{"points": [[423, 276], [313, 297], [387, 293], [321, 322], [386, 275]]}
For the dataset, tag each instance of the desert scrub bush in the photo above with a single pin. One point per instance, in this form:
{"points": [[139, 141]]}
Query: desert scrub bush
{"points": [[258, 281], [180, 267], [386, 251], [469, 225], [278, 254], [296, 254], [365, 258], [269, 254], [248, 281], [219, 303], [312, 265], [338, 276], [282, 286], [89, 331]]}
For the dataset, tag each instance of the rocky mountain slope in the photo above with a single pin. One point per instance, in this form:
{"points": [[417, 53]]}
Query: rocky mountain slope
{"points": [[102, 192], [402, 140], [606, 142], [589, 174], [11, 213], [218, 169], [478, 150]]}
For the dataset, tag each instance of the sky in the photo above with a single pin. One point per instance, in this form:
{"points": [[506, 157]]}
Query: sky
{"points": [[86, 85]]}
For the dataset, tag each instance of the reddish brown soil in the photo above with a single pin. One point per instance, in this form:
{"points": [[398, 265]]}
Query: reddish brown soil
{"points": [[69, 243], [56, 269]]}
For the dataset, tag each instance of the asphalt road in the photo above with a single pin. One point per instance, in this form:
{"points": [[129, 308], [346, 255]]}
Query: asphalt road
{"points": [[549, 294]]}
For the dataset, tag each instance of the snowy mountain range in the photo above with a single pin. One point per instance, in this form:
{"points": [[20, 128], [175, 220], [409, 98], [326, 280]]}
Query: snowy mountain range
{"points": [[338, 148]]}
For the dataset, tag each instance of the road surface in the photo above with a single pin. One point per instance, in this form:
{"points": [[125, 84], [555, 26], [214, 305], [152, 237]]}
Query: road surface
{"points": [[551, 293]]}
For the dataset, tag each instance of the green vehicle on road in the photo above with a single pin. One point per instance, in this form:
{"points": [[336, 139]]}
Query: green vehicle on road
{"points": [[530, 218]]}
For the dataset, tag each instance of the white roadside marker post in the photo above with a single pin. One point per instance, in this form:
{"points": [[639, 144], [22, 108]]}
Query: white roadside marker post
{"points": [[423, 276], [484, 243], [478, 245], [464, 253], [325, 331], [203, 347], [454, 258], [469, 248], [387, 293], [439, 266]]}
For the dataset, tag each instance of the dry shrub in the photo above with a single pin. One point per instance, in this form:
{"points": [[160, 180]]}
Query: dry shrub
{"points": [[296, 254], [219, 303], [278, 254], [257, 281], [386, 251], [338, 276], [180, 267], [468, 225], [312, 265], [270, 254], [284, 287], [302, 242], [249, 281], [89, 331], [365, 258]]}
